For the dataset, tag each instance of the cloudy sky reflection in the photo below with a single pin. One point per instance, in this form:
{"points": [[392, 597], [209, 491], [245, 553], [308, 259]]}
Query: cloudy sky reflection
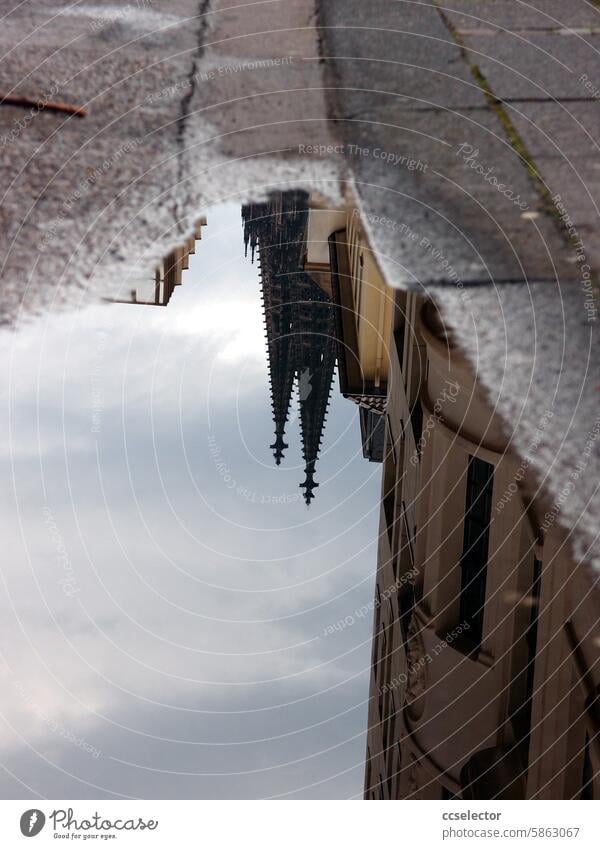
{"points": [[166, 592]]}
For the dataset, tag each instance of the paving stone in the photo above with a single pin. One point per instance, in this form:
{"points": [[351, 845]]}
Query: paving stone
{"points": [[563, 142], [401, 48], [590, 237], [451, 201], [565, 130], [578, 184], [545, 66], [262, 94], [515, 15], [486, 240]]}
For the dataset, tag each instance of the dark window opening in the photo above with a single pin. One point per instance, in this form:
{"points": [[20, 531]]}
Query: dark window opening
{"points": [[399, 342], [478, 511], [388, 509]]}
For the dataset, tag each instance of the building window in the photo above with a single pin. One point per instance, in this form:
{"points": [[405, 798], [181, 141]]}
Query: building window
{"points": [[473, 564], [531, 639]]}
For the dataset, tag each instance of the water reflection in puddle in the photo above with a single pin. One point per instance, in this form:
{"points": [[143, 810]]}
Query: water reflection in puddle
{"points": [[169, 583]]}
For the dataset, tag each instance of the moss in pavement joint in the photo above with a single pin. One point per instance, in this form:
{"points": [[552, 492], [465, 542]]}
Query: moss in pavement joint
{"points": [[513, 137], [515, 140]]}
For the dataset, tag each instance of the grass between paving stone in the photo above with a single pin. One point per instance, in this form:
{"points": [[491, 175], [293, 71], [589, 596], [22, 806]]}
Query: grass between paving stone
{"points": [[515, 140]]}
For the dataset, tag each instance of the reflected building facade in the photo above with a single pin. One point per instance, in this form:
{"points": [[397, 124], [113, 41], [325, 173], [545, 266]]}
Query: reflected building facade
{"points": [[484, 677]]}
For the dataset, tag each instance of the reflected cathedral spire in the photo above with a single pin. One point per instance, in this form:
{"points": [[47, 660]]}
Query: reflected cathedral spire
{"points": [[299, 323]]}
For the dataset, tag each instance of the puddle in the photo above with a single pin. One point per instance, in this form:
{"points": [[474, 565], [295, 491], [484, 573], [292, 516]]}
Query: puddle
{"points": [[221, 419], [163, 446], [197, 457]]}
